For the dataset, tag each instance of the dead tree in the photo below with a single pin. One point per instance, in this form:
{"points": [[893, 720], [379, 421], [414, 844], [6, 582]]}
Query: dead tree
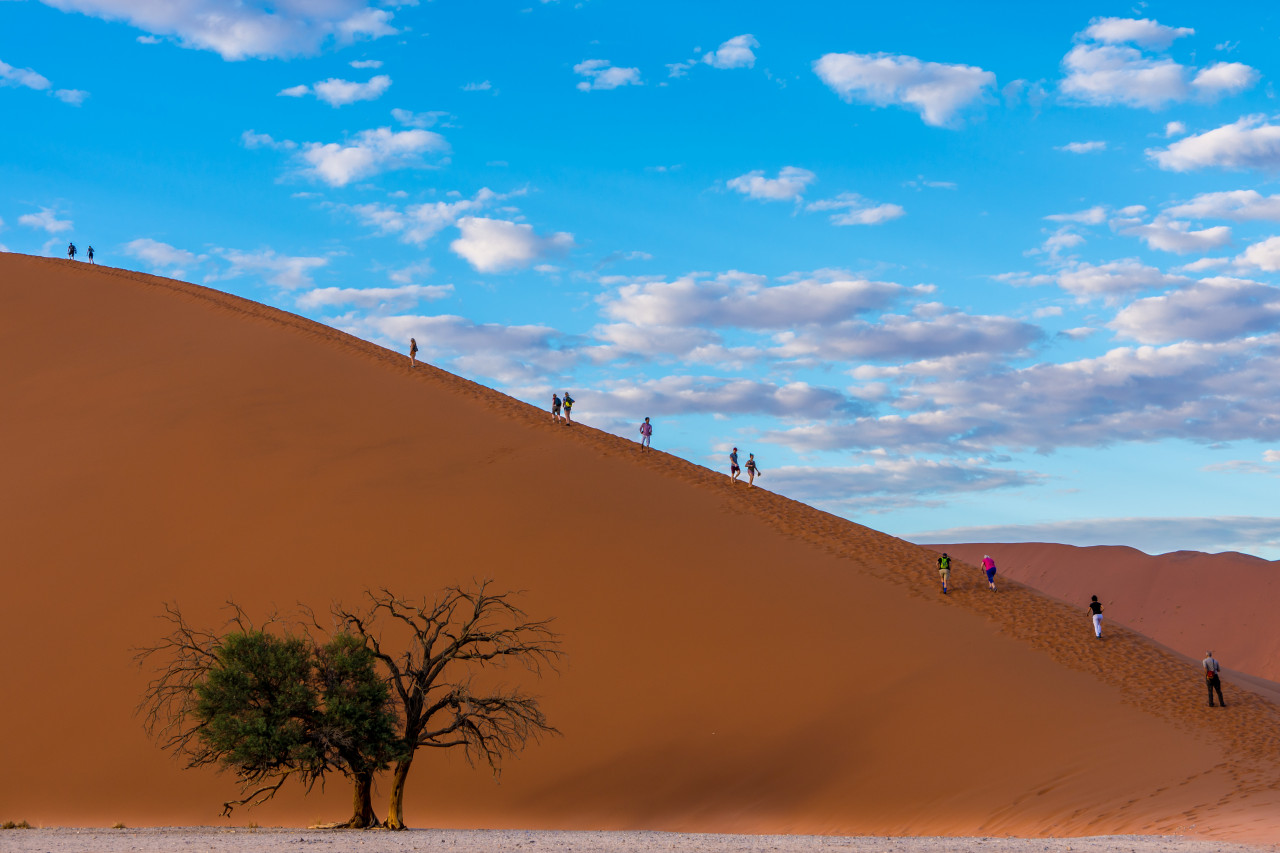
{"points": [[433, 651]]}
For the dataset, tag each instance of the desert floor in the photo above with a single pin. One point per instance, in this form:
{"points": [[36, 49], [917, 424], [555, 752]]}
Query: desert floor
{"points": [[165, 839]]}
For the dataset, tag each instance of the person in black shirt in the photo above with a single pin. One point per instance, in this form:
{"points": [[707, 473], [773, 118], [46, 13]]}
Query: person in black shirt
{"points": [[1095, 609]]}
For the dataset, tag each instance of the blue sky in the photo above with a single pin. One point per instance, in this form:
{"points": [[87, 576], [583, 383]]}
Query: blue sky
{"points": [[1000, 272]]}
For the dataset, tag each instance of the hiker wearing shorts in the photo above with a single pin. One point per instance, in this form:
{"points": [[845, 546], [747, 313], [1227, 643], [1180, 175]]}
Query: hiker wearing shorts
{"points": [[944, 571], [752, 469], [555, 408], [989, 568], [413, 352], [734, 470], [71, 251], [646, 432], [1095, 611], [1212, 670], [90, 254], [568, 408]]}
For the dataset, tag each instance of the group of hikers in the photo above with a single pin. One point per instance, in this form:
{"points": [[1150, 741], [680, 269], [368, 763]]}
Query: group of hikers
{"points": [[71, 252], [753, 469], [1212, 669]]}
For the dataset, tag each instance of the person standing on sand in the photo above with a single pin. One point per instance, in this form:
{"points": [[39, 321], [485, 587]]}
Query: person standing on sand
{"points": [[568, 408], [734, 470], [71, 251], [555, 407], [989, 567], [90, 253], [1095, 610], [944, 571], [413, 352], [646, 432], [752, 469], [1212, 669]]}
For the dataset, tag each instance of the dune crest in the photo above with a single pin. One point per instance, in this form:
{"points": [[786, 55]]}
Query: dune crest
{"points": [[737, 661]]}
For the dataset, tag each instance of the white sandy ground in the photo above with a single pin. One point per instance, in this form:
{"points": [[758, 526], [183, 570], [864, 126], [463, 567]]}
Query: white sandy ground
{"points": [[217, 840]]}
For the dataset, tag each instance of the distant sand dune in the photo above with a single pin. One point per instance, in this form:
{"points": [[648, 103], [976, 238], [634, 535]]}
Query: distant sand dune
{"points": [[738, 661]]}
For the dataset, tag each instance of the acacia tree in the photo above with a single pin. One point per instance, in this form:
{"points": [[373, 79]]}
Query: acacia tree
{"points": [[445, 645], [271, 706]]}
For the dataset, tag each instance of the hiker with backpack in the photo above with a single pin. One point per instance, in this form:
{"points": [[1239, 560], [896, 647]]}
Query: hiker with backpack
{"points": [[555, 407], [646, 432], [568, 408], [1212, 669], [944, 571]]}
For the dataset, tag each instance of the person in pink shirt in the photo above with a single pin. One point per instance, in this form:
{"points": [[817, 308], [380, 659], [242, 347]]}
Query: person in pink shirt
{"points": [[989, 566], [646, 432]]}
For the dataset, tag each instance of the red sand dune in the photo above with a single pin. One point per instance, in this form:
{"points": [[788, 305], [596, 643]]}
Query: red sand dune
{"points": [[1188, 600], [737, 661]]}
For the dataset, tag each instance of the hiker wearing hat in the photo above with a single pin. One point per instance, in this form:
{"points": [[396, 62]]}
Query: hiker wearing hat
{"points": [[1211, 671]]}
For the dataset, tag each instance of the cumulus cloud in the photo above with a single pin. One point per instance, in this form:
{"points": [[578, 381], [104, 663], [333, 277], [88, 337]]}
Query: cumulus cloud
{"points": [[747, 301], [601, 74], [1090, 216], [240, 29], [160, 255], [374, 298], [734, 53], [1237, 205], [1174, 128], [418, 223], [1264, 255], [370, 153], [1143, 31], [27, 78], [337, 92], [853, 209], [288, 272], [1213, 309], [1115, 279], [1249, 143], [497, 245], [46, 220], [687, 395], [893, 482], [1225, 78], [252, 139], [935, 90], [1171, 235], [1083, 147], [788, 186]]}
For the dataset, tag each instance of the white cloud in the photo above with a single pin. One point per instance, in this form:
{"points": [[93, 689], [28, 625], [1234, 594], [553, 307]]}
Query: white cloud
{"points": [[1083, 147], [747, 301], [283, 271], [372, 152], [160, 255], [74, 97], [365, 63], [482, 86], [1237, 205], [497, 245], [421, 120], [853, 209], [1264, 255], [734, 53], [935, 90], [1114, 279], [601, 74], [411, 273], [1174, 128], [1090, 216], [338, 93], [23, 77], [46, 220], [251, 139], [1143, 31], [686, 395], [1213, 309], [1171, 235], [1225, 78], [238, 29], [1250, 143], [374, 298], [1105, 75], [902, 481], [418, 223], [788, 186], [147, 40]]}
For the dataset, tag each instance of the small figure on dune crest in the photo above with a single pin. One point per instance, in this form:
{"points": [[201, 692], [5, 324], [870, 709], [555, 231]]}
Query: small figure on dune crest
{"points": [[989, 567], [1212, 669], [753, 470], [555, 407], [944, 571], [568, 408], [90, 254], [734, 470], [71, 251], [1095, 610], [646, 432], [413, 352]]}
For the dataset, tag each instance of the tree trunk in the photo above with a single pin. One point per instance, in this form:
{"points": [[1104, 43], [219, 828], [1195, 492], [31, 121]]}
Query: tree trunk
{"points": [[363, 816], [395, 811]]}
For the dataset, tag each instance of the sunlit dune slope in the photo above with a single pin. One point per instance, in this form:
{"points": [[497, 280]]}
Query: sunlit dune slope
{"points": [[1188, 600], [737, 661]]}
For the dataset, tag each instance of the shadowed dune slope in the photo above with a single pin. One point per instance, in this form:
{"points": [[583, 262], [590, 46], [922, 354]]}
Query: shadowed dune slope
{"points": [[737, 661], [1188, 600]]}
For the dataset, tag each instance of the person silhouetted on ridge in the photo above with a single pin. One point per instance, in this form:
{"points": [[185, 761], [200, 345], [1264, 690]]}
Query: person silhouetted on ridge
{"points": [[1212, 669], [753, 470], [413, 352], [71, 251], [1095, 611], [646, 432], [734, 470], [90, 254], [944, 571]]}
